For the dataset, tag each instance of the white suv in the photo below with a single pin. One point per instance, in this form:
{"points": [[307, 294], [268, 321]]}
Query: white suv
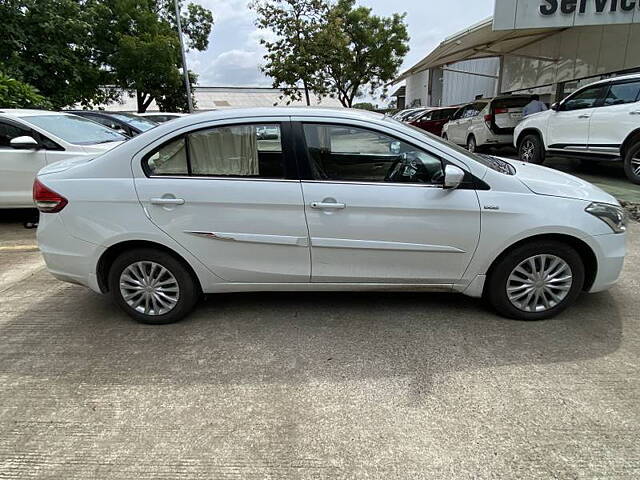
{"points": [[486, 123], [33, 139], [598, 122]]}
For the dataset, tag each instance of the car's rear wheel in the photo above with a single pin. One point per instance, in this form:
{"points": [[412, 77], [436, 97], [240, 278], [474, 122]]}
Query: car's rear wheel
{"points": [[531, 149], [152, 286], [472, 146], [632, 163], [536, 281]]}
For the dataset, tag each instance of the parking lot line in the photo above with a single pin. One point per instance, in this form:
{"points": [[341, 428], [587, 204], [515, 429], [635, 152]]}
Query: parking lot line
{"points": [[19, 248]]}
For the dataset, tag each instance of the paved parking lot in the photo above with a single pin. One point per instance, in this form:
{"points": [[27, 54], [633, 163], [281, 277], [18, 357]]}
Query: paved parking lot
{"points": [[313, 386]]}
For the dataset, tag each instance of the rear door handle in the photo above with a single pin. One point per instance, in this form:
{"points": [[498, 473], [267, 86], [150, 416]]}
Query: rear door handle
{"points": [[584, 116], [635, 112], [328, 206], [167, 201]]}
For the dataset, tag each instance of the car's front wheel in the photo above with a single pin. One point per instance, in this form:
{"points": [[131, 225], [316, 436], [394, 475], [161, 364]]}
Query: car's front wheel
{"points": [[531, 150], [632, 163], [536, 281], [152, 286]]}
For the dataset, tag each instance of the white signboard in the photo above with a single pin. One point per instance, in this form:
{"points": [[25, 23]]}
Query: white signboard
{"points": [[521, 14]]}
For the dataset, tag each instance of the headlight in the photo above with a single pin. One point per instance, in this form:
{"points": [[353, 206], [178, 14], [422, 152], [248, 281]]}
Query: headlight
{"points": [[612, 215]]}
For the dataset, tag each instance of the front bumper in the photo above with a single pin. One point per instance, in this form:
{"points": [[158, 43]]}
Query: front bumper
{"points": [[610, 251]]}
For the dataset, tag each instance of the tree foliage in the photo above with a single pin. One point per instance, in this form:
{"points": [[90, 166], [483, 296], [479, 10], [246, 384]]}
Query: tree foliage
{"points": [[292, 58], [48, 44], [71, 49], [138, 40], [15, 94], [337, 48], [363, 51]]}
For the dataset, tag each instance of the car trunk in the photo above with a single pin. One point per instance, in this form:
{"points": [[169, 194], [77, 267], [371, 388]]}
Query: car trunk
{"points": [[506, 113]]}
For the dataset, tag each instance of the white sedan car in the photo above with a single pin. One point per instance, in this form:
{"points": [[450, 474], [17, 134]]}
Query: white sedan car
{"points": [[337, 200], [32, 139]]}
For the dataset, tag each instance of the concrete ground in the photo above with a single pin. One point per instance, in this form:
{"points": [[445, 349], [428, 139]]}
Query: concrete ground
{"points": [[313, 386]]}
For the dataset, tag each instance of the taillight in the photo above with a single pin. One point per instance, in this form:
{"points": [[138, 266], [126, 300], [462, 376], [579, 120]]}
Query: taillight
{"points": [[46, 200], [501, 110], [488, 118]]}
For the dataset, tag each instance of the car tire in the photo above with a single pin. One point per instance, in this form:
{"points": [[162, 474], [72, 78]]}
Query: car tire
{"points": [[513, 279], [172, 292], [632, 163], [472, 145], [531, 149]]}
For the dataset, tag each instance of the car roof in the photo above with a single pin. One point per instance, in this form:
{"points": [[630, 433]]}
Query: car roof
{"points": [[633, 76], [24, 112], [345, 113]]}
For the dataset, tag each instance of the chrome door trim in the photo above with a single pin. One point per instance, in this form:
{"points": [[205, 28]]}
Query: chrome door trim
{"points": [[381, 245], [381, 184], [235, 179], [253, 238]]}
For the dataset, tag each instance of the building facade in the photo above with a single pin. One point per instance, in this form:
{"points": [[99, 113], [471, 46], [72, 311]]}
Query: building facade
{"points": [[548, 47]]}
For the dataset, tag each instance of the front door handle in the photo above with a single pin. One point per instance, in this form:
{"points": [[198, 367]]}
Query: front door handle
{"points": [[584, 116], [635, 112], [167, 201], [328, 206]]}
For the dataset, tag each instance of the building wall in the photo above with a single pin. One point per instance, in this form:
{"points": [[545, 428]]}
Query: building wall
{"points": [[575, 53], [440, 87], [417, 89], [460, 88]]}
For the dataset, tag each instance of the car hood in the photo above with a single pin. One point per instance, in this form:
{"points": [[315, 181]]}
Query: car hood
{"points": [[546, 181]]}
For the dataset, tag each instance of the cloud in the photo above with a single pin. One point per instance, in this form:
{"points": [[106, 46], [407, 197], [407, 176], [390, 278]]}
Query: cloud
{"points": [[225, 10], [235, 67]]}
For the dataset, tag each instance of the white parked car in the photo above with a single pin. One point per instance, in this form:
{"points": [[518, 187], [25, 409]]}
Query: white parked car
{"points": [[598, 122], [32, 139], [348, 200], [486, 123]]}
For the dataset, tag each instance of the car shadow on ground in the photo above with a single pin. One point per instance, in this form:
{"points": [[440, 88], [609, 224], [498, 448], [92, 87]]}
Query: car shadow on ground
{"points": [[73, 335]]}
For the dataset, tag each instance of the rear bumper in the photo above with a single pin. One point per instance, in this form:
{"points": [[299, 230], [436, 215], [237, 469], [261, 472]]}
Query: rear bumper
{"points": [[610, 250], [68, 258]]}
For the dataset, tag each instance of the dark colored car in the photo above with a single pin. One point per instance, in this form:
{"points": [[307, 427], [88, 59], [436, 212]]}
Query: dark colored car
{"points": [[126, 123], [434, 119]]}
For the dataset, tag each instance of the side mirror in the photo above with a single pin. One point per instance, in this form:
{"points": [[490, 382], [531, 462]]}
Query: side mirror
{"points": [[555, 107], [24, 143], [453, 177]]}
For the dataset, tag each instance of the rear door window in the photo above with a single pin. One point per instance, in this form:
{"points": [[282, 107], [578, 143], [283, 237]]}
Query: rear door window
{"points": [[9, 131], [249, 151], [621, 93]]}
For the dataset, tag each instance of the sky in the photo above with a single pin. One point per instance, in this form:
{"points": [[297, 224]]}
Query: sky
{"points": [[234, 55]]}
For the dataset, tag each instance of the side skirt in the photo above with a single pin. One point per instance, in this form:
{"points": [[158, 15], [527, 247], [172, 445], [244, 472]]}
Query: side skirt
{"points": [[328, 287]]}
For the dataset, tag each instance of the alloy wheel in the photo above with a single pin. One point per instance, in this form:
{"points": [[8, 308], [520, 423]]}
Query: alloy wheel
{"points": [[527, 151], [149, 288], [539, 283], [635, 164]]}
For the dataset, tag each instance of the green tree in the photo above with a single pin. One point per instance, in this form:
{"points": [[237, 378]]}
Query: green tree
{"points": [[48, 44], [365, 106], [138, 42], [15, 94], [292, 57], [361, 50]]}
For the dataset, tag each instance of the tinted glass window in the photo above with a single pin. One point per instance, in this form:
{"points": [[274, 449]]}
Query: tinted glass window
{"points": [[75, 129], [170, 159], [140, 123], [107, 122], [253, 151], [238, 151], [9, 131], [621, 93], [357, 155], [586, 98]]}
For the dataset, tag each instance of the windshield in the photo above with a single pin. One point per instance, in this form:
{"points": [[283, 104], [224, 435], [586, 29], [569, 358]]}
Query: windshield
{"points": [[141, 123], [74, 129], [493, 163]]}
